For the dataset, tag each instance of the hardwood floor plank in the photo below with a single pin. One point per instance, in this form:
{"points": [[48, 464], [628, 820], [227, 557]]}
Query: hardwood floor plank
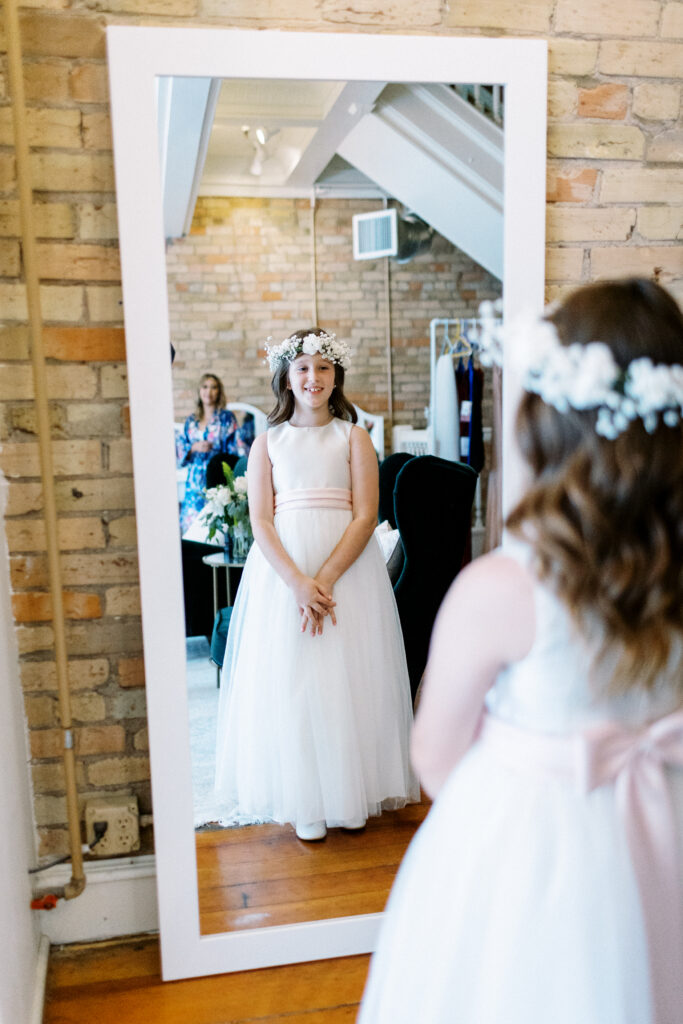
{"points": [[287, 889], [292, 913], [288, 856], [263, 875], [225, 874], [118, 959], [81, 989]]}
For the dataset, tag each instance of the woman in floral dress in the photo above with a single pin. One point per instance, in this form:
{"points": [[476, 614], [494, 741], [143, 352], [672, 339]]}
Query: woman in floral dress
{"points": [[210, 429]]}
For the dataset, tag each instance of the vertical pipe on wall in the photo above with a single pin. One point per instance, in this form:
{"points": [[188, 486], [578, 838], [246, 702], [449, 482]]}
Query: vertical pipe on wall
{"points": [[390, 372], [387, 328], [314, 264], [14, 59]]}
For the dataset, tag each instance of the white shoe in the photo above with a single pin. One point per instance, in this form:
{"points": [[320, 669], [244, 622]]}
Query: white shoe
{"points": [[317, 830], [355, 826]]}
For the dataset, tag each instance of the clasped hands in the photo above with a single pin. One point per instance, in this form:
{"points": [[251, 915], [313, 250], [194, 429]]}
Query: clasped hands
{"points": [[314, 600]]}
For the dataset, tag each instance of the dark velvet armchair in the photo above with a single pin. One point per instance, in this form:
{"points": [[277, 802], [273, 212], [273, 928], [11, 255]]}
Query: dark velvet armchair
{"points": [[433, 509]]}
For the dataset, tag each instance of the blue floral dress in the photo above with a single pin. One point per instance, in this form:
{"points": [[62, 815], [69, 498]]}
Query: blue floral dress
{"points": [[224, 434]]}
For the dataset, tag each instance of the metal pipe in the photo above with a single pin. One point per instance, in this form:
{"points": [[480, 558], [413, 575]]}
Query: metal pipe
{"points": [[390, 370], [14, 60], [314, 261], [387, 340]]}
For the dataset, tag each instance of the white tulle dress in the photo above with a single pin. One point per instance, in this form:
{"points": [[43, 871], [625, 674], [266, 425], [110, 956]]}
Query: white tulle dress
{"points": [[518, 901], [313, 728]]}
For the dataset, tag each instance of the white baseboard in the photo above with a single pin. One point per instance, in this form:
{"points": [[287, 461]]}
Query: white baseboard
{"points": [[119, 898]]}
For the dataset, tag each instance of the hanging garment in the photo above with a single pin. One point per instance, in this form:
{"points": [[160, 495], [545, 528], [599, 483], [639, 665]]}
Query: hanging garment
{"points": [[446, 411], [470, 386], [494, 502]]}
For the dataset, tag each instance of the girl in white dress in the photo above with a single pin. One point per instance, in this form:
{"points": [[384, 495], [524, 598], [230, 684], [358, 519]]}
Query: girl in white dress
{"points": [[545, 886], [315, 708]]}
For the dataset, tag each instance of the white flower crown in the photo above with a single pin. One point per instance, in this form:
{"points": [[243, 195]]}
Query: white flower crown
{"points": [[327, 345], [584, 376]]}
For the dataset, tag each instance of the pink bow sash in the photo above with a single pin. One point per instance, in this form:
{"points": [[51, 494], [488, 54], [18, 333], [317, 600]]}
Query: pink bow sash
{"points": [[634, 761], [314, 497]]}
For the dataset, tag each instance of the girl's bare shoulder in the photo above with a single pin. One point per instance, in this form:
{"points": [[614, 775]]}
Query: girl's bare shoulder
{"points": [[259, 444], [258, 453], [496, 591], [359, 437]]}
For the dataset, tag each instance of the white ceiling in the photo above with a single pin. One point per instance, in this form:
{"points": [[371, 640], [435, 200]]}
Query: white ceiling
{"points": [[304, 123], [422, 145]]}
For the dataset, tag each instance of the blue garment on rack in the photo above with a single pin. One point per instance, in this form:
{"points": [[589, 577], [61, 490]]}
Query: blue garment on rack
{"points": [[470, 387]]}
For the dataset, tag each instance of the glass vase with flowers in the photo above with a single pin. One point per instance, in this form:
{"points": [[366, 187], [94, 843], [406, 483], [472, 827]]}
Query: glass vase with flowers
{"points": [[226, 513]]}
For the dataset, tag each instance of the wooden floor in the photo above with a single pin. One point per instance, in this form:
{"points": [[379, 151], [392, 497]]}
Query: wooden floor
{"points": [[263, 875], [248, 877], [120, 983]]}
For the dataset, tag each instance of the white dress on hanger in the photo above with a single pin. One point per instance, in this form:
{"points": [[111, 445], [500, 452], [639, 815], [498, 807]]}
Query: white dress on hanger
{"points": [[314, 728], [447, 410]]}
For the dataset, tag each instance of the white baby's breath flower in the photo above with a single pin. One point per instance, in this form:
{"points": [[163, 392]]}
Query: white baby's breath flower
{"points": [[594, 373], [605, 426], [584, 377], [650, 421], [649, 386], [628, 408]]}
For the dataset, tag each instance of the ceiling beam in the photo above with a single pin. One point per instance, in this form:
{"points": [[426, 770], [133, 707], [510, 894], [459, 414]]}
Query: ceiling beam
{"points": [[354, 102], [185, 116], [422, 144]]}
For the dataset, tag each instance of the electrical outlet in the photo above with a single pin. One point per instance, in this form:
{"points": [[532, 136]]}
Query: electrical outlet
{"points": [[121, 817]]}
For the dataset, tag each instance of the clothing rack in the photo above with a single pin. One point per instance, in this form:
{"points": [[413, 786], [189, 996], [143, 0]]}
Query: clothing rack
{"points": [[464, 345]]}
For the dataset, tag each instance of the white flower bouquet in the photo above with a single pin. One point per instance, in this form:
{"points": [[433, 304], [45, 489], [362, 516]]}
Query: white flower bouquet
{"points": [[226, 512]]}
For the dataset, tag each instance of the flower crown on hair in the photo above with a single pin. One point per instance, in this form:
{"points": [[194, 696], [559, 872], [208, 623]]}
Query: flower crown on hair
{"points": [[327, 345], [584, 376]]}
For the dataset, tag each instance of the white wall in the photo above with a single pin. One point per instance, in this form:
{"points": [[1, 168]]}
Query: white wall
{"points": [[19, 931]]}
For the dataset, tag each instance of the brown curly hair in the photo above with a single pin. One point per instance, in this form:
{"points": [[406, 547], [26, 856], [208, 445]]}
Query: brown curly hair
{"points": [[284, 407], [605, 517]]}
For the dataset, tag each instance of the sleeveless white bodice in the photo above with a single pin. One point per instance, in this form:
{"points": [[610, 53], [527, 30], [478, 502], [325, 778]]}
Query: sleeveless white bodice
{"points": [[553, 688], [310, 457]]}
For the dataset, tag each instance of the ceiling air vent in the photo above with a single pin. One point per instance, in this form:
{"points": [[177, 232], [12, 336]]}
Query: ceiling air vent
{"points": [[384, 233], [375, 234]]}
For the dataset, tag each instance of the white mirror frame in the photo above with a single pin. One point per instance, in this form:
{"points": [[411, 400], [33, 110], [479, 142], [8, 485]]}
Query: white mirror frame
{"points": [[136, 57]]}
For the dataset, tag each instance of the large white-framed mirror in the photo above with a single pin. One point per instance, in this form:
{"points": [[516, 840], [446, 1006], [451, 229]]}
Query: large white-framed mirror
{"points": [[140, 59]]}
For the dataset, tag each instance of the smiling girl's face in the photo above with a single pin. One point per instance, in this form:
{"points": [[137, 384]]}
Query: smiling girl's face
{"points": [[311, 379]]}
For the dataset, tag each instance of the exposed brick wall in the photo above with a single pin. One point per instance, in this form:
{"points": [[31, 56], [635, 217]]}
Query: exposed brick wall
{"points": [[615, 196], [246, 271]]}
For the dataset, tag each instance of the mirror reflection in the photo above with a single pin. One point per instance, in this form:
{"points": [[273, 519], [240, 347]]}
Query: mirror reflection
{"points": [[374, 210]]}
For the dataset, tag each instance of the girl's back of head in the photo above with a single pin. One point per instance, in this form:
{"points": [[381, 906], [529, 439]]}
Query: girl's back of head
{"points": [[604, 513]]}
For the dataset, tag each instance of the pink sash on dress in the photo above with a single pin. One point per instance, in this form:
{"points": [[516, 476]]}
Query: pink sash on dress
{"points": [[634, 761], [314, 497]]}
